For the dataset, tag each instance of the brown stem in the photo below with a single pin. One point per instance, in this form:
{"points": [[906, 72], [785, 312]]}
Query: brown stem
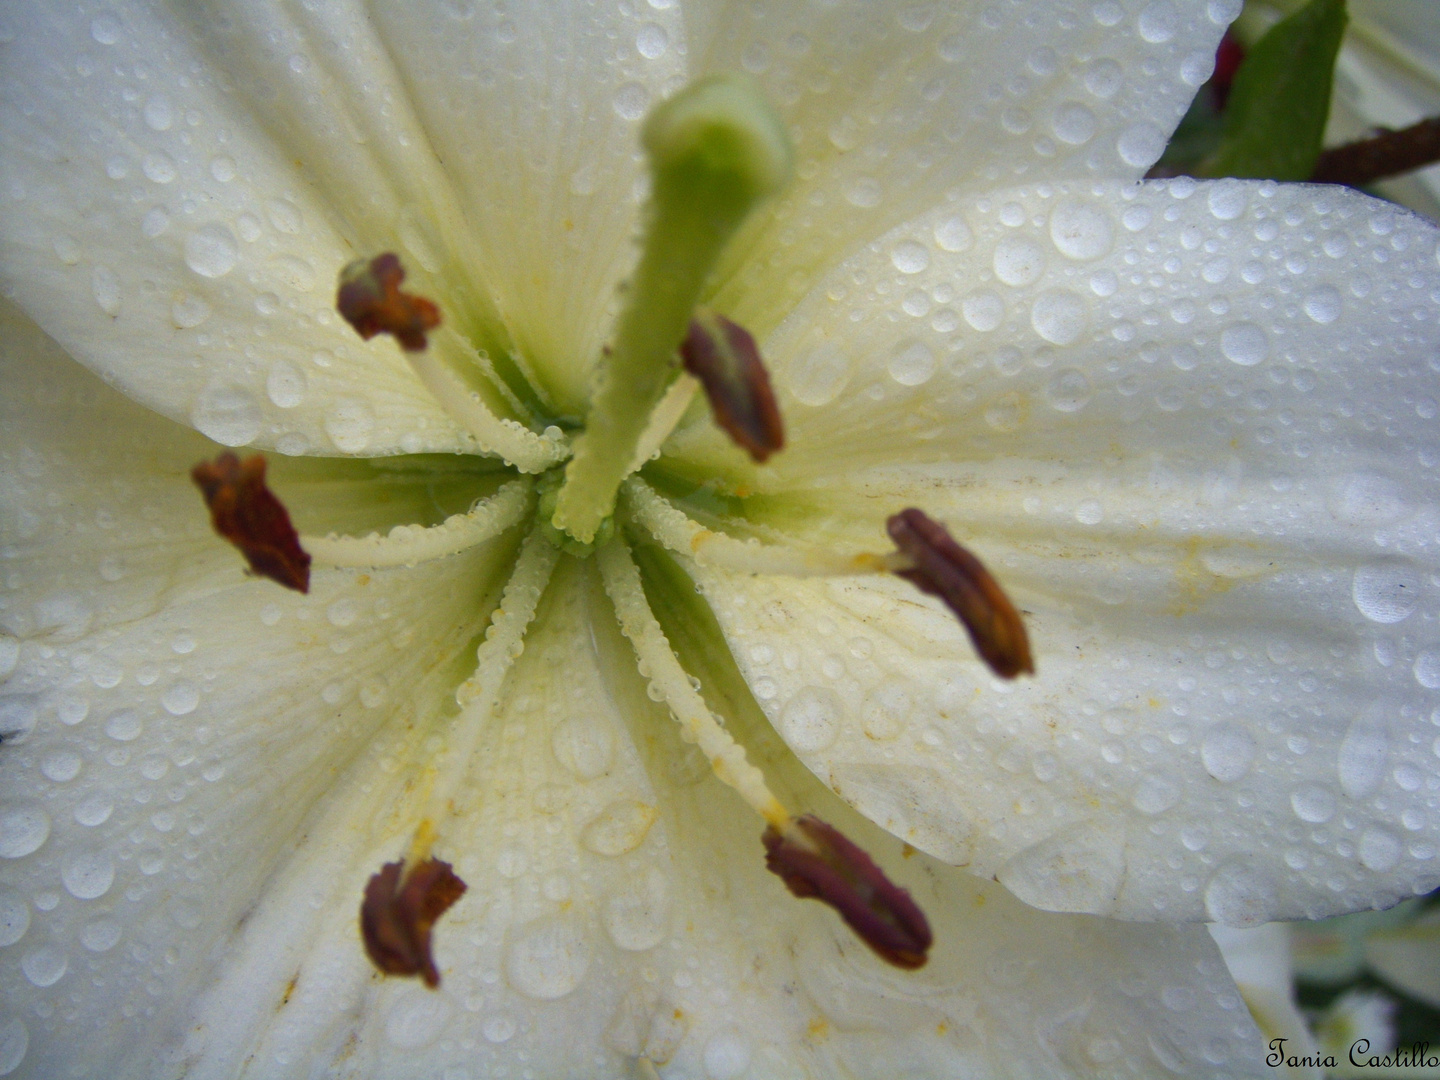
{"points": [[1389, 153]]}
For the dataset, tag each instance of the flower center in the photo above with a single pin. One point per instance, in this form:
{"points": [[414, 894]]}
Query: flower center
{"points": [[716, 150]]}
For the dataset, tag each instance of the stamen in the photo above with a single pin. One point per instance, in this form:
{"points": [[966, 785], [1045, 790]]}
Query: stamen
{"points": [[399, 912], [815, 859], [371, 301], [698, 725], [724, 357], [409, 545], [247, 513], [663, 420], [716, 150], [943, 568], [509, 439], [673, 528]]}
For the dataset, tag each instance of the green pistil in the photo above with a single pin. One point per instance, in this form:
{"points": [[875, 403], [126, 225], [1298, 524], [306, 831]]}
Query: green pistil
{"points": [[716, 150]]}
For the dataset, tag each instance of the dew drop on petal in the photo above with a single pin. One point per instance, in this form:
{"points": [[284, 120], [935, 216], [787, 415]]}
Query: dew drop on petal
{"points": [[14, 1044], [24, 827], [1238, 894], [1068, 390], [45, 966], [1158, 22], [638, 918], [1244, 344], [1378, 850], [1227, 752], [416, 1018], [983, 309], [212, 251], [14, 916], [1073, 123], [1080, 231], [285, 384], [817, 377], [1059, 316], [1323, 305], [1227, 199], [810, 720], [188, 311], [547, 958], [1361, 760], [1141, 145], [88, 874], [651, 41], [911, 363], [1386, 591], [350, 423], [631, 101], [1018, 261], [228, 414], [1313, 803], [726, 1055], [909, 257], [100, 935], [180, 698], [105, 287], [953, 234]]}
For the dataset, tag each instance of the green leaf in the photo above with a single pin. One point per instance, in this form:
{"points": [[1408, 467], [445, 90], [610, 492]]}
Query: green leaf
{"points": [[1275, 118]]}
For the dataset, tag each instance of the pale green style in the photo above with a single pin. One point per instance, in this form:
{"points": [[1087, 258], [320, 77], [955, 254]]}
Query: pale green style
{"points": [[1190, 427]]}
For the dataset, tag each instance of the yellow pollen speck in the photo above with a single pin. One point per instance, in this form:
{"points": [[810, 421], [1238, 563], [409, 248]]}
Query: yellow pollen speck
{"points": [[818, 1029]]}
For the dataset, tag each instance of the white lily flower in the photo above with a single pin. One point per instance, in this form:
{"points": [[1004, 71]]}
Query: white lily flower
{"points": [[1191, 427]]}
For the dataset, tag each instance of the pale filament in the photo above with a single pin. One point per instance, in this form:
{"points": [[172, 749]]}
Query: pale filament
{"points": [[663, 418], [517, 444], [678, 532], [479, 694], [410, 545], [698, 725]]}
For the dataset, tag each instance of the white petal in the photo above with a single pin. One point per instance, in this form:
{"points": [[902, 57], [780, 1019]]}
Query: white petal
{"points": [[618, 907], [536, 116], [183, 195], [180, 719], [898, 111], [1218, 505]]}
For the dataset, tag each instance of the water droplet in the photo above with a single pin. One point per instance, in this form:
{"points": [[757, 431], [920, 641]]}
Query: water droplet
{"points": [[726, 1055], [817, 377], [123, 725], [548, 958], [1157, 23], [1073, 123], [349, 423], [1141, 145], [1080, 231], [912, 362], [72, 709], [1068, 390], [14, 916], [222, 168], [155, 222], [100, 935], [1227, 752], [584, 745], [638, 918], [23, 829], [285, 384], [17, 717], [14, 1042], [1323, 305], [1154, 794], [94, 810], [651, 41], [983, 309], [88, 874], [1059, 316], [1006, 413], [158, 167], [105, 287], [1090, 512], [181, 698], [188, 311], [631, 101], [887, 709], [1245, 344], [1019, 261], [1386, 592], [416, 1018], [619, 828], [1361, 758], [284, 215], [45, 966], [810, 720], [1103, 78], [212, 251], [105, 28], [61, 766], [1313, 803], [1378, 850], [498, 1029], [228, 414], [909, 257], [1239, 895], [953, 234], [864, 192], [1228, 199]]}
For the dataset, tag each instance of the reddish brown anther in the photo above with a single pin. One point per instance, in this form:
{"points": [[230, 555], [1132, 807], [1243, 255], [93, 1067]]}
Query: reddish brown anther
{"points": [[397, 916], [371, 301], [815, 859], [723, 356], [945, 569], [247, 513]]}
